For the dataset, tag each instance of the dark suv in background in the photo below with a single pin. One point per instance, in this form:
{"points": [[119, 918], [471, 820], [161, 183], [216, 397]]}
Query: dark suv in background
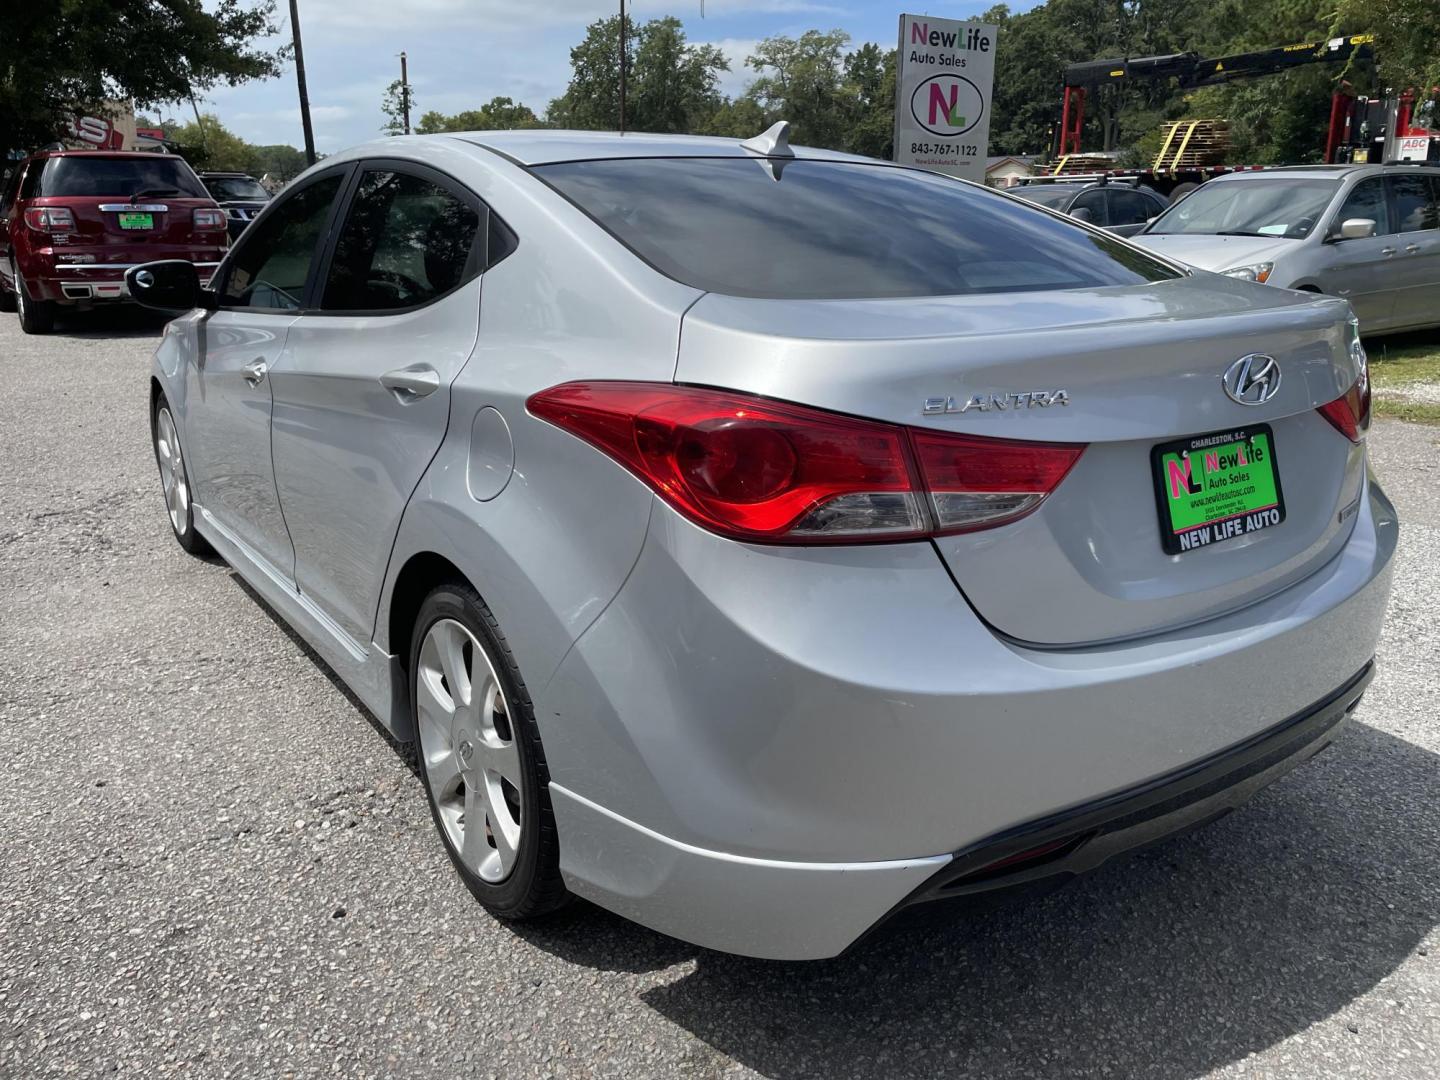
{"points": [[1118, 207], [241, 197], [73, 221]]}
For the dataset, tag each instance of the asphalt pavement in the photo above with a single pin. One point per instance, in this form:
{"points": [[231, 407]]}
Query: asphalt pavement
{"points": [[213, 863]]}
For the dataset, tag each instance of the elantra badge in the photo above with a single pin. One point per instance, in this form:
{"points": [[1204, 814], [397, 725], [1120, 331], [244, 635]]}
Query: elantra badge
{"points": [[1028, 399], [1252, 380]]}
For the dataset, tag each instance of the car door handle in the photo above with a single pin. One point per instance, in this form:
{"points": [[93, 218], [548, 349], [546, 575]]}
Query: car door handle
{"points": [[1387, 252], [1410, 249], [254, 372], [411, 383]]}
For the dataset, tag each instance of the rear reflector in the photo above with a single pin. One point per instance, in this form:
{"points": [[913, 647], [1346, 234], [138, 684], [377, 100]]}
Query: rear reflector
{"points": [[759, 470]]}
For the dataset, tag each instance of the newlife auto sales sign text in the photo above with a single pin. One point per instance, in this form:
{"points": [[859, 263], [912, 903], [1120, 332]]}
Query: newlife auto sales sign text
{"points": [[942, 106]]}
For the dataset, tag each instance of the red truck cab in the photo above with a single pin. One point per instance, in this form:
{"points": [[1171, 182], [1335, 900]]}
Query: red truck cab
{"points": [[73, 221]]}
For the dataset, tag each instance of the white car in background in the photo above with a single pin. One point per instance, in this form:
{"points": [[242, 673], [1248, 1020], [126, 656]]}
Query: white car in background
{"points": [[1367, 233]]}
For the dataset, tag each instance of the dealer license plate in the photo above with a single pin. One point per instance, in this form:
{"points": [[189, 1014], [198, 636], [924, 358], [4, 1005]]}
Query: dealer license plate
{"points": [[1215, 488], [130, 220]]}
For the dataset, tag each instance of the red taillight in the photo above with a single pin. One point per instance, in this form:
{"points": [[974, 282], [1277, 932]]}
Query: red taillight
{"points": [[50, 218], [1350, 413], [975, 483], [209, 219], [760, 470]]}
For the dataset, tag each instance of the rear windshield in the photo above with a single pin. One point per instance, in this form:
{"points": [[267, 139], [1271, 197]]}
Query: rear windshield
{"points": [[826, 230], [80, 177], [1054, 195], [234, 188]]}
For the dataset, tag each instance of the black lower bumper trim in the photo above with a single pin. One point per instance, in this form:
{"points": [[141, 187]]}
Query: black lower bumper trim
{"points": [[1071, 842]]}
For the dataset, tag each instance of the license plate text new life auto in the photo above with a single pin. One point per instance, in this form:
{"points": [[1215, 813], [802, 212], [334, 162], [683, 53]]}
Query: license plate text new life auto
{"points": [[1214, 488], [136, 221]]}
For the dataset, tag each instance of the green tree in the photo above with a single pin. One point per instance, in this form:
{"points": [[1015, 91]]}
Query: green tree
{"points": [[210, 145], [802, 80], [671, 85], [1408, 33], [394, 105], [676, 85], [60, 58], [870, 73], [498, 114]]}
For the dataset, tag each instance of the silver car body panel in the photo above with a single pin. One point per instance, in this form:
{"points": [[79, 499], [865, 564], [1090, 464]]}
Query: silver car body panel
{"points": [[1138, 364], [1392, 280], [764, 749]]}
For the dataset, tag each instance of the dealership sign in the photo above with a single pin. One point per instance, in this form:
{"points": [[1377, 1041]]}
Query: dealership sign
{"points": [[943, 95]]}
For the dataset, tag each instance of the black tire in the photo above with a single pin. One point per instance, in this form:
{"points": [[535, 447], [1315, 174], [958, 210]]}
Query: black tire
{"points": [[7, 296], [185, 534], [36, 316], [533, 887], [1179, 191]]}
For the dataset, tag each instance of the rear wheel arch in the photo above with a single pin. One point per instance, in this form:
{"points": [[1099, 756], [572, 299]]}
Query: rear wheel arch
{"points": [[422, 573]]}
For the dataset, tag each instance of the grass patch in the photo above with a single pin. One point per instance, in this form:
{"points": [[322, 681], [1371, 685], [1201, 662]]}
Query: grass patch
{"points": [[1401, 362]]}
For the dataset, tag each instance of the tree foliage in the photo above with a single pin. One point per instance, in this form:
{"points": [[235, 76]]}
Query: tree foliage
{"points": [[394, 103], [208, 144], [68, 56], [671, 85], [498, 114]]}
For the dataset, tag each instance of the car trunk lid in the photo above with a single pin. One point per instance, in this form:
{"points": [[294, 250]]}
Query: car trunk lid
{"points": [[1123, 370]]}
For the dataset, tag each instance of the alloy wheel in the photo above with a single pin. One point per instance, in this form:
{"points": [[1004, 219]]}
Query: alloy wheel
{"points": [[470, 756], [172, 471]]}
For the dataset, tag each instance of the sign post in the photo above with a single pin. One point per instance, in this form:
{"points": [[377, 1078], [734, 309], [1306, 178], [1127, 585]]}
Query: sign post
{"points": [[943, 95]]}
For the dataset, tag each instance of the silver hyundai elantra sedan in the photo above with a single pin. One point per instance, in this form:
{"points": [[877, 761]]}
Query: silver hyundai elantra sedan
{"points": [[758, 540]]}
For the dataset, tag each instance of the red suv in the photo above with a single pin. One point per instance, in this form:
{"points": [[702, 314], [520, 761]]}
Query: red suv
{"points": [[73, 221]]}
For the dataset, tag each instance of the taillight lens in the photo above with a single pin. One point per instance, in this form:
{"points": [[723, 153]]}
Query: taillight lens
{"points": [[209, 219], [760, 470], [976, 483], [50, 218], [1350, 413]]}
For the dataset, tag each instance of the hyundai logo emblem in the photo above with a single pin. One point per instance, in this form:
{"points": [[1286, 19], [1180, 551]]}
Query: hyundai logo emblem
{"points": [[1252, 380]]}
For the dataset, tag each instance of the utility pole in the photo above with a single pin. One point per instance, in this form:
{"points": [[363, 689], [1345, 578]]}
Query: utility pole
{"points": [[622, 67], [405, 93], [300, 80]]}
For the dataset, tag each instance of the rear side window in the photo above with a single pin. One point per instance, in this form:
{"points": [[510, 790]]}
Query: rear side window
{"points": [[271, 266], [406, 241], [1415, 203], [80, 177], [837, 230], [1131, 207]]}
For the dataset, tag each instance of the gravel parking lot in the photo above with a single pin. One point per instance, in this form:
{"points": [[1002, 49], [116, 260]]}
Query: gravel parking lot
{"points": [[213, 862]]}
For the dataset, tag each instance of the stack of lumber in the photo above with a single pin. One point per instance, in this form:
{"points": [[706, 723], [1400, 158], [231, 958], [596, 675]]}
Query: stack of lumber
{"points": [[1194, 144]]}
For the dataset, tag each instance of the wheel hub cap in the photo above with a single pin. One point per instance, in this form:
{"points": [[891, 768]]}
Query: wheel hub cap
{"points": [[469, 751]]}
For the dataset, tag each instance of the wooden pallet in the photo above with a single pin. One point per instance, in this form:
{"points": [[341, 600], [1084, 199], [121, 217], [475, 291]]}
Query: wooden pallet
{"points": [[1082, 163], [1194, 144]]}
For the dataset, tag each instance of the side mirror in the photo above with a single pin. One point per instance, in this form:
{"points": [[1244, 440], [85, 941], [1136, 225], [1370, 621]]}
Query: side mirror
{"points": [[1083, 213], [168, 285], [1357, 228]]}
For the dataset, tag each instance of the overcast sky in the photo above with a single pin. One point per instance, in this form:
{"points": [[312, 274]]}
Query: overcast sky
{"points": [[464, 52]]}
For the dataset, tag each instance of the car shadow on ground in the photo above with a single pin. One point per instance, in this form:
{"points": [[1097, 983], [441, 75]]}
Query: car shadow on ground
{"points": [[109, 322], [1186, 957]]}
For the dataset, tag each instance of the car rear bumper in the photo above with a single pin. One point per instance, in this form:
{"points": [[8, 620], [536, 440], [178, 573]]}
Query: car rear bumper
{"points": [[88, 282], [768, 751]]}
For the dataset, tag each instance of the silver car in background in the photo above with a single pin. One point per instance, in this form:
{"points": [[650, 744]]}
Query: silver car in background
{"points": [[1368, 233], [757, 541]]}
